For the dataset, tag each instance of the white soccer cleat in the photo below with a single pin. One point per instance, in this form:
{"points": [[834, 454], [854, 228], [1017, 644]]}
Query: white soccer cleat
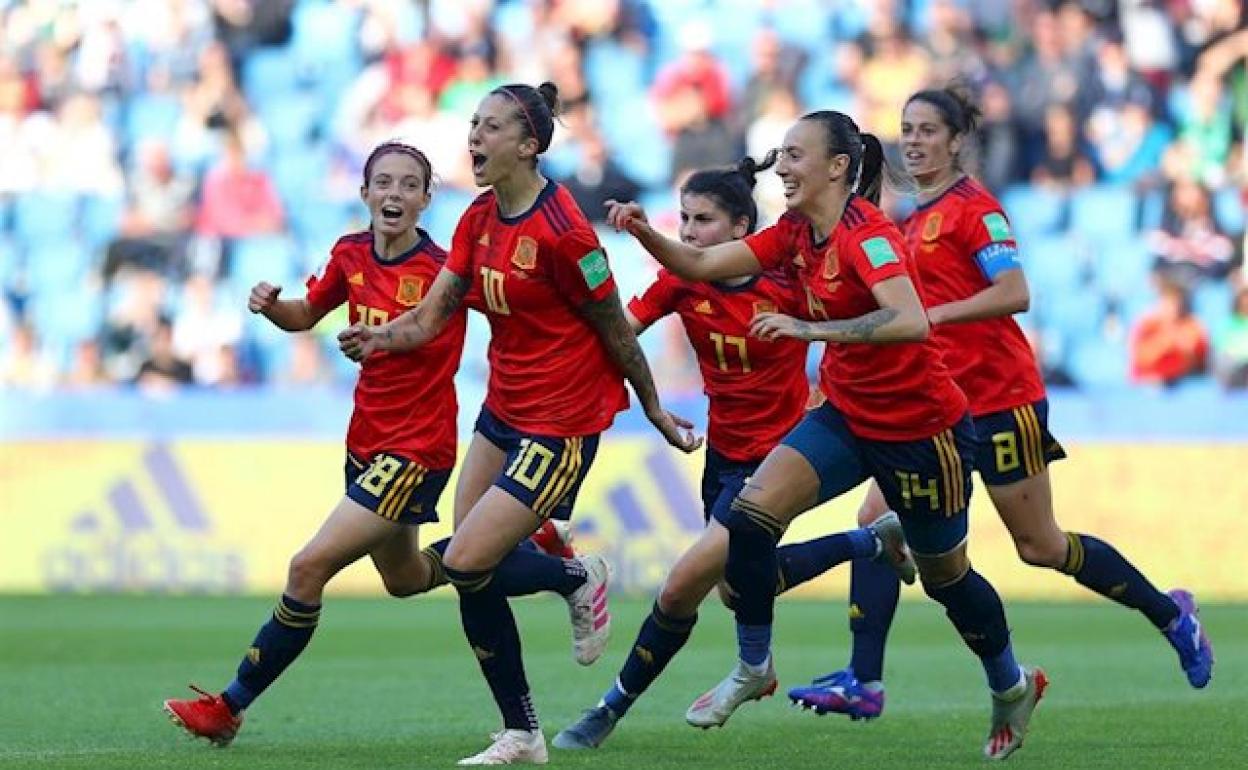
{"points": [[512, 747], [716, 705], [587, 607], [893, 549], [1012, 717]]}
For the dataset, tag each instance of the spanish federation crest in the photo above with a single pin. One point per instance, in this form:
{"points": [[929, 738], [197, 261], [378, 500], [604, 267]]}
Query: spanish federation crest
{"points": [[931, 226], [764, 306], [525, 255], [411, 290]]}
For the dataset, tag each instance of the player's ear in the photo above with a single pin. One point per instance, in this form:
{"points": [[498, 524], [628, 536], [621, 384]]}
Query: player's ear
{"points": [[364, 193], [741, 228]]}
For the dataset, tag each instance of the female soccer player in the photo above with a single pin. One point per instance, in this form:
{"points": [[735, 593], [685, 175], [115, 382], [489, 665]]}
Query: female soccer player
{"points": [[400, 444], [972, 282], [757, 392], [892, 411], [559, 345]]}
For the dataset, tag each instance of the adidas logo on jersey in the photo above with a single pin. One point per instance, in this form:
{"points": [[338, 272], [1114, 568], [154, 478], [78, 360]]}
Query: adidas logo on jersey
{"points": [[704, 307]]}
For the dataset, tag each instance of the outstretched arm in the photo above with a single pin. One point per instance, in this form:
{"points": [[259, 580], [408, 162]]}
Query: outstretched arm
{"points": [[412, 329], [608, 318], [732, 259], [292, 315]]}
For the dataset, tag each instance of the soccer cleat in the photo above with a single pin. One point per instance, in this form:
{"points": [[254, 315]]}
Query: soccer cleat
{"points": [[587, 607], [512, 747], [1187, 635], [205, 717], [839, 693], [555, 538], [717, 704], [893, 549], [589, 731], [1010, 717]]}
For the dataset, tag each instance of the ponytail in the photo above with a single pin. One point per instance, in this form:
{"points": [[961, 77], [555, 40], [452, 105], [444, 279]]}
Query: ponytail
{"points": [[870, 175]]}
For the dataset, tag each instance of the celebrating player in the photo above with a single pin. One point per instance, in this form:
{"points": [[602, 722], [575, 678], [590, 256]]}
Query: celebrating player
{"points": [[559, 345], [892, 411], [400, 443], [972, 282], [757, 392]]}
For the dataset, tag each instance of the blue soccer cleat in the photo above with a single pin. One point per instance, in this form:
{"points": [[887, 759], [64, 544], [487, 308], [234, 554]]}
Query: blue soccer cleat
{"points": [[589, 731], [840, 693], [1187, 635]]}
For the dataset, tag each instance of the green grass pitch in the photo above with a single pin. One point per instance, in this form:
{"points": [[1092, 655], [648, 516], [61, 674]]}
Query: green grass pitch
{"points": [[392, 684]]}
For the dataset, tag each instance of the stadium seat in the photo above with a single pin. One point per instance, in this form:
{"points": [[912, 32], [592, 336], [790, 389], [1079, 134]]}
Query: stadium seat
{"points": [[270, 72], [150, 116], [1035, 211], [44, 214], [61, 264], [293, 118], [1054, 263], [1211, 302], [101, 219], [634, 125], [262, 258], [613, 71], [11, 263], [1122, 267], [1099, 364], [1103, 212], [1228, 208], [1076, 314]]}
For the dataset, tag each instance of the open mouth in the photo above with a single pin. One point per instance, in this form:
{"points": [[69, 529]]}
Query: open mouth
{"points": [[391, 214], [790, 188], [914, 157], [478, 162]]}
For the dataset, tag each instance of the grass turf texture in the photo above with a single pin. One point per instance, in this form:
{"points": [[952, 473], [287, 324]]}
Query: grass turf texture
{"points": [[392, 684]]}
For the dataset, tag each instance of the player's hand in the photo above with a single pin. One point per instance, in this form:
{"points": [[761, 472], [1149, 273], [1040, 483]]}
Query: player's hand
{"points": [[357, 342], [772, 326], [677, 430], [621, 215], [263, 296]]}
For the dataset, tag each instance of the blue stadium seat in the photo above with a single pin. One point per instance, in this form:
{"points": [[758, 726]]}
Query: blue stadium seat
{"points": [[59, 264], [270, 72], [1076, 314], [262, 258], [292, 118], [66, 315], [1035, 211], [613, 71], [101, 219], [1228, 208], [11, 265], [43, 215], [1103, 212], [150, 116], [1053, 263], [1099, 364], [1122, 267], [633, 124], [1211, 302], [1152, 207]]}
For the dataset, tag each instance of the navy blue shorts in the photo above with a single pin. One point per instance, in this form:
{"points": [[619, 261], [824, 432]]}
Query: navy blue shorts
{"points": [[1015, 444], [927, 482], [395, 488], [721, 476], [543, 472]]}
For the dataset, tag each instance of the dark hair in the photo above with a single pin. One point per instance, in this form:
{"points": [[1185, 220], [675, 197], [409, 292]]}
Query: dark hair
{"points": [[866, 154], [536, 109], [732, 189], [392, 146], [958, 111]]}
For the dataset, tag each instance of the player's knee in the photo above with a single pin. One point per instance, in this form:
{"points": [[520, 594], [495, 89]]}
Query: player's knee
{"points": [[937, 572], [1041, 551], [744, 516], [309, 571], [676, 597]]}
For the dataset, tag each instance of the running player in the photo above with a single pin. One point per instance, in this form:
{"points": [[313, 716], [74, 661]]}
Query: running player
{"points": [[559, 351], [967, 260], [401, 439], [892, 413], [401, 442], [757, 392]]}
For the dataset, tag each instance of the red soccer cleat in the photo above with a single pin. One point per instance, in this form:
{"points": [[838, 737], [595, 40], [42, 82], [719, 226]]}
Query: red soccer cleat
{"points": [[555, 538], [206, 717]]}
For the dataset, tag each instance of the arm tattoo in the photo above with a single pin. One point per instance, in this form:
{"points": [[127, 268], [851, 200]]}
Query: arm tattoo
{"points": [[860, 329], [415, 330], [607, 318]]}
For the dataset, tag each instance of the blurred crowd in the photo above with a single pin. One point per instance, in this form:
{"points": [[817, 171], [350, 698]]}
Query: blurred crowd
{"points": [[159, 156]]}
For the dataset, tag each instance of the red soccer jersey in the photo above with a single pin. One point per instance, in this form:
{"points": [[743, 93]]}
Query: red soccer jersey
{"points": [[951, 238], [404, 402], [549, 372], [757, 389], [898, 392]]}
